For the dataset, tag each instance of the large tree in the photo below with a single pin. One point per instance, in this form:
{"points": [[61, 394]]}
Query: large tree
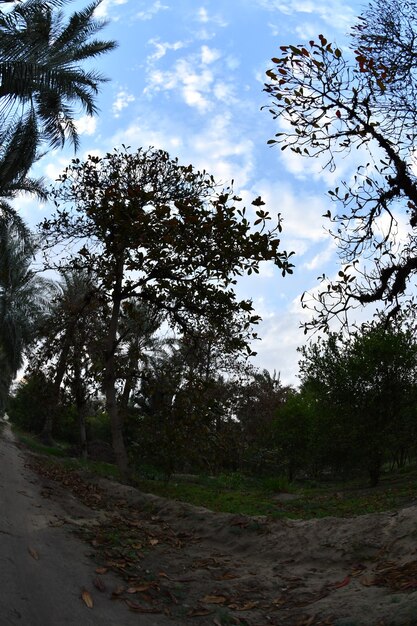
{"points": [[330, 103], [162, 233]]}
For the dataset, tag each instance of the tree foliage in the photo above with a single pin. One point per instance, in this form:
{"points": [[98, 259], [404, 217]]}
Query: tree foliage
{"points": [[331, 103], [151, 229], [365, 390]]}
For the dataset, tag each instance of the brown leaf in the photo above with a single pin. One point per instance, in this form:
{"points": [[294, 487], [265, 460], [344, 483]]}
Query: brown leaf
{"points": [[33, 553], [228, 576], [142, 587], [101, 570], [367, 581], [87, 599], [213, 599], [246, 606], [134, 606], [99, 584], [154, 542], [198, 612], [342, 583]]}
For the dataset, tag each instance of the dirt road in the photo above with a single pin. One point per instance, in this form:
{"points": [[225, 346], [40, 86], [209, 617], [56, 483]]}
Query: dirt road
{"points": [[180, 565], [43, 567]]}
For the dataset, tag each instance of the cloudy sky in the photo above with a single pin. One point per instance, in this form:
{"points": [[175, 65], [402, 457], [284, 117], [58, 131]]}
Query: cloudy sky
{"points": [[188, 77]]}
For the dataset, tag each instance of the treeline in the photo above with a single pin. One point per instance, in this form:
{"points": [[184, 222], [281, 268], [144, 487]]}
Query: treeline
{"points": [[188, 408]]}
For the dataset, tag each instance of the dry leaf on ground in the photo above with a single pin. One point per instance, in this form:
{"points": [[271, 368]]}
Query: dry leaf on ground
{"points": [[87, 599]]}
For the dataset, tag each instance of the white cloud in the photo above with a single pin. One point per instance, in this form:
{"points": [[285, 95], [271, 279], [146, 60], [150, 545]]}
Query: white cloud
{"points": [[123, 99], [320, 260], [151, 11], [104, 7], [86, 125], [302, 211], [280, 335], [55, 168], [204, 18], [162, 47], [192, 83], [335, 13], [218, 147], [209, 55]]}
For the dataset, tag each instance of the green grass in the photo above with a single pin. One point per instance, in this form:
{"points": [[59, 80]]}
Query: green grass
{"points": [[238, 494]]}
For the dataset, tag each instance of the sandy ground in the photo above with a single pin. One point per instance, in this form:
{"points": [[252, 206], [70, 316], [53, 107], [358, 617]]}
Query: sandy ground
{"points": [[178, 564]]}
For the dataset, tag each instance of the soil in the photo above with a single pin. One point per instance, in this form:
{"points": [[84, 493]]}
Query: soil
{"points": [[182, 565]]}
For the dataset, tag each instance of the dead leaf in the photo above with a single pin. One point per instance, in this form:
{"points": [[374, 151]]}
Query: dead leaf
{"points": [[142, 587], [101, 570], [87, 599], [214, 599], [342, 583], [134, 606], [199, 612], [228, 576], [367, 581], [306, 620], [247, 606], [154, 542], [99, 584], [33, 553]]}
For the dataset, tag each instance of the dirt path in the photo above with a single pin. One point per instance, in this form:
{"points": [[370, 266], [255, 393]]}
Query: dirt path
{"points": [[182, 565], [44, 569]]}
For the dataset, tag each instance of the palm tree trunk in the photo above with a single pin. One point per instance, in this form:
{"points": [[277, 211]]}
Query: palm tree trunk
{"points": [[46, 434]]}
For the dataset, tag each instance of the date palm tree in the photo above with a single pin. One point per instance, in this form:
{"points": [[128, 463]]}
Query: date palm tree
{"points": [[42, 82], [24, 297]]}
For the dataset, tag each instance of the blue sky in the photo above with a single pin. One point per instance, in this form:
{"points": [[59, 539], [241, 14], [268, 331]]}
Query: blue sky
{"points": [[188, 77]]}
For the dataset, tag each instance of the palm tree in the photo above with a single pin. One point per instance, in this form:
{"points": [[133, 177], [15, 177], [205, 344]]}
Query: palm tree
{"points": [[42, 83], [24, 297]]}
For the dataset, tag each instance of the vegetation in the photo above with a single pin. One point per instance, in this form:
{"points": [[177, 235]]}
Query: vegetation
{"points": [[160, 233]]}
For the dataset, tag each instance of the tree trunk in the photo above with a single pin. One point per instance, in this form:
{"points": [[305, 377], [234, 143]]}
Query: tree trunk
{"points": [[46, 434], [109, 383]]}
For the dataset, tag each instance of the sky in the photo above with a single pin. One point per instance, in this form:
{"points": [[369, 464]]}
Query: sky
{"points": [[188, 77]]}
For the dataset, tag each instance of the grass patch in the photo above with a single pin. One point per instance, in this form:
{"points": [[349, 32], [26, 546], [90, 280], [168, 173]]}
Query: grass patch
{"points": [[241, 495]]}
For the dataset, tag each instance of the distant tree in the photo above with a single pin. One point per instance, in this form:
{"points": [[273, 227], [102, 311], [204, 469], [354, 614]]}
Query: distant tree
{"points": [[159, 232], [365, 389], [66, 343], [258, 398], [331, 103], [24, 298]]}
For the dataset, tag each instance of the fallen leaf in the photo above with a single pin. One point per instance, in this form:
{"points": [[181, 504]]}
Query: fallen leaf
{"points": [[246, 606], [99, 584], [87, 599], [367, 581], [154, 542], [101, 570], [214, 599], [134, 606], [228, 576], [342, 583], [33, 553], [142, 587], [199, 612]]}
